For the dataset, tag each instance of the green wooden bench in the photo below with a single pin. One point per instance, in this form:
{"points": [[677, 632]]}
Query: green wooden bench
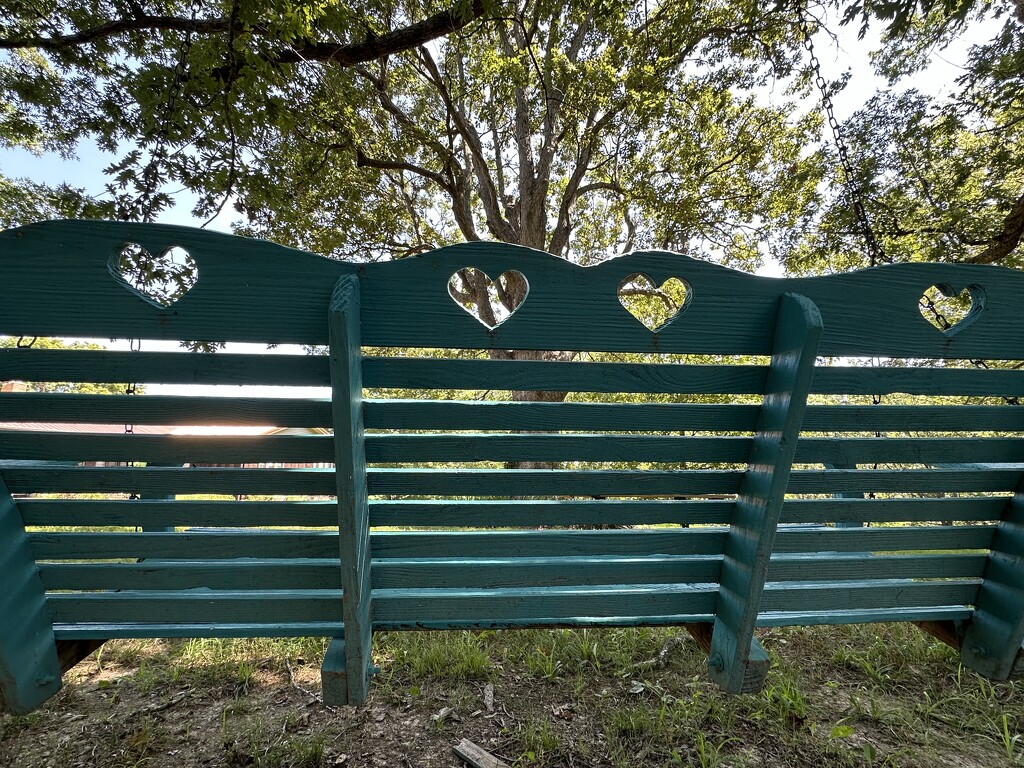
{"points": [[754, 483]]}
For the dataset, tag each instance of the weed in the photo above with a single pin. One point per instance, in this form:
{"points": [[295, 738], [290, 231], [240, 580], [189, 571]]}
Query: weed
{"points": [[1008, 739], [253, 748], [536, 740]]}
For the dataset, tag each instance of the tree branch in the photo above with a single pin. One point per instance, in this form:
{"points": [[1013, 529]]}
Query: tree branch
{"points": [[499, 227], [362, 161], [345, 55], [1003, 244]]}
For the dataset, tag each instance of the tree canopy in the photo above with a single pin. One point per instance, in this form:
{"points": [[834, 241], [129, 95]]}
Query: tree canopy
{"points": [[384, 129]]}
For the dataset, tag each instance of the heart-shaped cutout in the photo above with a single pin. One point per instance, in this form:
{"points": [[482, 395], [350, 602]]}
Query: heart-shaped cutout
{"points": [[654, 305], [161, 279], [949, 310], [489, 301]]}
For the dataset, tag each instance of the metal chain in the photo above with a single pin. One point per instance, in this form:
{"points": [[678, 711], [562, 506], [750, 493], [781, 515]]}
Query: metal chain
{"points": [[151, 173], [131, 388], [853, 191], [944, 323]]}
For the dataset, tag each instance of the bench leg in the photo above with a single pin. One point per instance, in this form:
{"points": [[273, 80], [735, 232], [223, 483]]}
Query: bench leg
{"points": [[29, 668], [333, 676], [757, 661], [992, 640]]}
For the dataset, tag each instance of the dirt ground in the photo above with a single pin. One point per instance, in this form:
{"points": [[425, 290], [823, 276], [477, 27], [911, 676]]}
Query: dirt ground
{"points": [[527, 703]]}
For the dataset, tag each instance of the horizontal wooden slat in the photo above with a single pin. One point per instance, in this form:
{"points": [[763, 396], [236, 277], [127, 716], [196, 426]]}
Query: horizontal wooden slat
{"points": [[798, 618], [54, 365], [323, 544], [480, 482], [525, 607], [197, 606], [924, 380], [75, 365], [908, 539], [532, 447], [439, 513], [549, 482], [892, 510], [334, 629], [463, 447], [105, 631], [171, 410], [913, 418], [393, 607], [833, 566], [395, 573], [245, 574], [386, 574], [904, 480], [161, 481], [482, 513], [149, 513], [429, 373], [167, 449], [906, 450], [675, 417], [501, 606], [488, 415], [693, 541], [489, 482], [185, 546], [582, 417], [872, 594], [643, 448]]}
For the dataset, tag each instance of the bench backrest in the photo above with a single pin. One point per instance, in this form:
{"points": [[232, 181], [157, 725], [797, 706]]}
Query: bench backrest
{"points": [[688, 434]]}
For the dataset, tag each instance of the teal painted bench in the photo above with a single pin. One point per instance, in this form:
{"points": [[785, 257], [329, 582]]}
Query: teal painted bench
{"points": [[753, 481]]}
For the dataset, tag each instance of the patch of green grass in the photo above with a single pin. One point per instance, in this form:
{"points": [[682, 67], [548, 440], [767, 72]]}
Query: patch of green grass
{"points": [[255, 748], [447, 656], [537, 742]]}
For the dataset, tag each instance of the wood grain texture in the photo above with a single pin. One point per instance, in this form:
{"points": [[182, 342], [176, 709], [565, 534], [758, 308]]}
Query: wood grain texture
{"points": [[497, 571], [29, 667], [460, 415], [255, 291], [78, 366], [428, 373], [173, 410], [798, 330], [401, 608], [351, 480], [477, 756], [147, 513], [501, 514]]}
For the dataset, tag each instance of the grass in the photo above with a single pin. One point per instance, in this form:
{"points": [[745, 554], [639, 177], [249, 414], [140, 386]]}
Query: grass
{"points": [[836, 696]]}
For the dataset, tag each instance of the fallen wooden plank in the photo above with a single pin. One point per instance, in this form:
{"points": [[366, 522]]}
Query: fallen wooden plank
{"points": [[477, 756]]}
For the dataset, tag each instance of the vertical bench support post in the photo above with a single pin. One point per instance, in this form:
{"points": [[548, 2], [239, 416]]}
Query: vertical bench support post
{"points": [[29, 668], [992, 641], [354, 650], [736, 661]]}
